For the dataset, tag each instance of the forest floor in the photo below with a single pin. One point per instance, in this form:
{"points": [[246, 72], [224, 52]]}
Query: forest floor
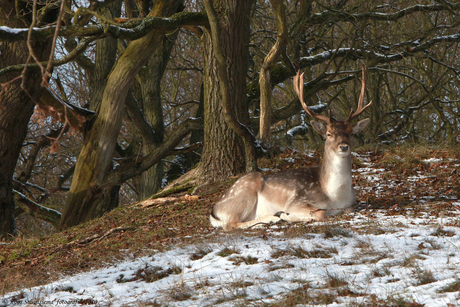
{"points": [[401, 247]]}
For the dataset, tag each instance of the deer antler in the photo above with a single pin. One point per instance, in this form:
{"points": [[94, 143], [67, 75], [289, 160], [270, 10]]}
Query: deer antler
{"points": [[360, 108], [298, 88]]}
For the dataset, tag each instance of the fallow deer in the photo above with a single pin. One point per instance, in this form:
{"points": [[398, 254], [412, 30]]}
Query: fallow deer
{"points": [[300, 194]]}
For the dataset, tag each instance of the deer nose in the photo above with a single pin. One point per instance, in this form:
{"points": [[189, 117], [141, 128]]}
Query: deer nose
{"points": [[344, 147]]}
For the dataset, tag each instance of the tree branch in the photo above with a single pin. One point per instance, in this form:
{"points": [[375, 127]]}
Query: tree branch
{"points": [[80, 48], [131, 30], [64, 111], [337, 16], [36, 210], [139, 121], [28, 164], [269, 62], [128, 170], [280, 73]]}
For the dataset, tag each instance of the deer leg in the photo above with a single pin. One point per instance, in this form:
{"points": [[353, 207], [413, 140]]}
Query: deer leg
{"points": [[332, 212], [299, 215], [302, 214], [239, 203], [257, 223]]}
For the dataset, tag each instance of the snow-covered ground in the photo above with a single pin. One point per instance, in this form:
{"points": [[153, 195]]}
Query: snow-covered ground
{"points": [[386, 257], [365, 258]]}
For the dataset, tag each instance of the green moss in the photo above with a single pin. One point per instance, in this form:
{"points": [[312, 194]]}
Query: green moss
{"points": [[14, 255], [181, 188]]}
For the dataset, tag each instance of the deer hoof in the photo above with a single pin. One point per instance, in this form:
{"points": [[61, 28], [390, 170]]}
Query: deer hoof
{"points": [[283, 216], [279, 213]]}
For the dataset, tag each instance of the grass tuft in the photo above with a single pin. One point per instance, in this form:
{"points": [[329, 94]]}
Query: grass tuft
{"points": [[150, 274], [423, 276], [300, 252], [337, 231], [227, 251], [237, 260], [333, 280], [440, 232], [452, 287], [200, 252], [180, 292]]}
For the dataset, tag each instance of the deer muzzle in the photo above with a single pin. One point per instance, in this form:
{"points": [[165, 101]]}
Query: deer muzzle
{"points": [[344, 147]]}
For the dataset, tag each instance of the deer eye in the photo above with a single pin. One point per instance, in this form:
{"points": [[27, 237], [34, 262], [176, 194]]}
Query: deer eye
{"points": [[329, 134]]}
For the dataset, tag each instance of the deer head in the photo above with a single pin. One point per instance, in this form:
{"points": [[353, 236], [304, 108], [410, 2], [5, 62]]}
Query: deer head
{"points": [[337, 133]]}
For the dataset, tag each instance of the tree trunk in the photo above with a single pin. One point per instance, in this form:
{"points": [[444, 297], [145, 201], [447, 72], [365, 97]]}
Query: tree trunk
{"points": [[16, 107], [197, 136], [265, 72], [150, 181], [86, 198], [105, 57], [224, 153]]}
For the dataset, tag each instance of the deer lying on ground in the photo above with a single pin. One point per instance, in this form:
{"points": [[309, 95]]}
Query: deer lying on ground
{"points": [[300, 194]]}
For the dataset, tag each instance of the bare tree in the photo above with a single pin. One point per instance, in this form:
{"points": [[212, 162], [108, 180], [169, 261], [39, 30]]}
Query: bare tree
{"points": [[229, 142], [87, 199], [413, 78], [18, 94]]}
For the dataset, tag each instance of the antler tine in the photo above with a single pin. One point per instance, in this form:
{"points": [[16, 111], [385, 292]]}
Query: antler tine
{"points": [[360, 108], [298, 88]]}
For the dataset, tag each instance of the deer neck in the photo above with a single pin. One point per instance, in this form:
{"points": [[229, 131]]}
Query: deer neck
{"points": [[336, 180]]}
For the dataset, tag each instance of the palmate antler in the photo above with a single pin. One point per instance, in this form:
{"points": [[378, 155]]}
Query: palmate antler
{"points": [[298, 88]]}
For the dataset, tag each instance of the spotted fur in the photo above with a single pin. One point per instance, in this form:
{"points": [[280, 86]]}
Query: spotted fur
{"points": [[294, 195]]}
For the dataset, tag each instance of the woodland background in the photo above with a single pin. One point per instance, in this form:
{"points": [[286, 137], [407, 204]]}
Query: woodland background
{"points": [[139, 93]]}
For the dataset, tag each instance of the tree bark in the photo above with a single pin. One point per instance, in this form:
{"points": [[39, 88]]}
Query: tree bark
{"points": [[151, 180], [224, 151], [16, 108], [265, 72], [105, 57], [197, 136], [86, 198]]}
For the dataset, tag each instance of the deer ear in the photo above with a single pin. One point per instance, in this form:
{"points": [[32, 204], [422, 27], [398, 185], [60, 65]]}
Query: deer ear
{"points": [[360, 125], [319, 127]]}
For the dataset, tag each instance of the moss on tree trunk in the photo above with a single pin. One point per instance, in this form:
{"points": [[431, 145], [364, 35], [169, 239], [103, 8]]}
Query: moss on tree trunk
{"points": [[84, 201]]}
